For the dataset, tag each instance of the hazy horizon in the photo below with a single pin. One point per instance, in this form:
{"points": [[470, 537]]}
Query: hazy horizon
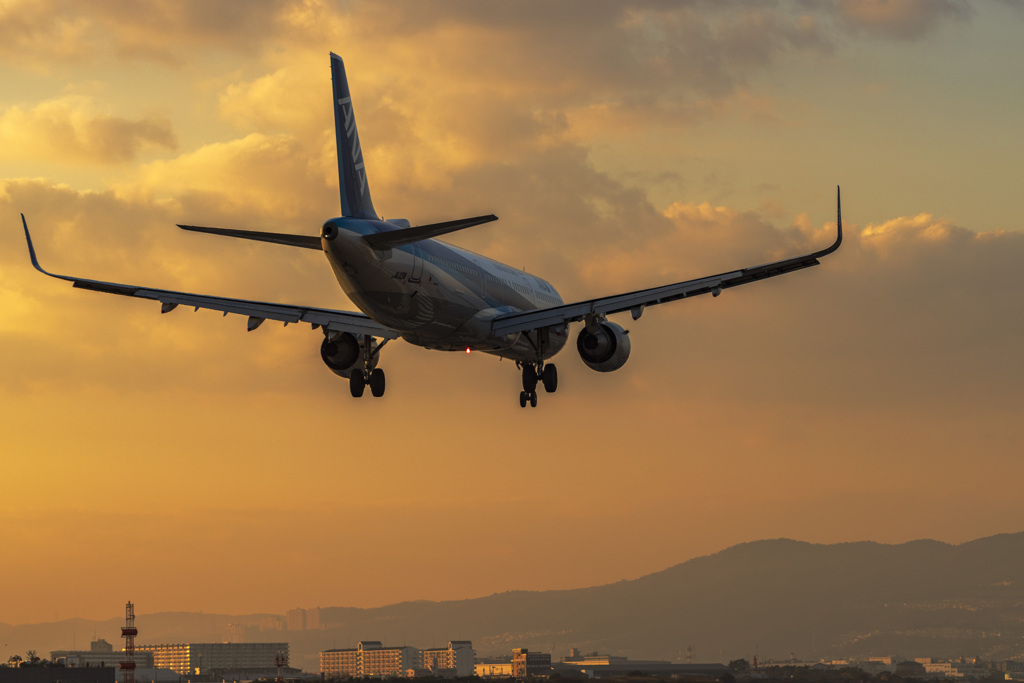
{"points": [[776, 596], [177, 460], [142, 613]]}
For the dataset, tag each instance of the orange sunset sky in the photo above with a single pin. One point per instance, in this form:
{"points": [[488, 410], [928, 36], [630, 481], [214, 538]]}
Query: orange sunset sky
{"points": [[182, 463]]}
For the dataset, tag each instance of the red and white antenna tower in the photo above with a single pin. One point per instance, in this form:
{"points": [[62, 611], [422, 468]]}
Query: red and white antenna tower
{"points": [[280, 661], [128, 632]]}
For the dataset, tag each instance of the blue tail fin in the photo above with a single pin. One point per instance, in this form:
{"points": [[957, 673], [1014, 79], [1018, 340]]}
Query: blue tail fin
{"points": [[355, 193]]}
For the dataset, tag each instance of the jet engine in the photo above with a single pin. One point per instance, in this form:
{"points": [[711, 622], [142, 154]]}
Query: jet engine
{"points": [[604, 348], [345, 352]]}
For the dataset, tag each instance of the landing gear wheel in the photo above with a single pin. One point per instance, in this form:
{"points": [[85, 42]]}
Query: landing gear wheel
{"points": [[529, 378], [357, 383], [523, 397], [550, 378], [377, 383], [533, 399]]}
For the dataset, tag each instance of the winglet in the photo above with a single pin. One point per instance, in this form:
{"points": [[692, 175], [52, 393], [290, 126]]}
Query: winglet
{"points": [[32, 250], [839, 212], [839, 229]]}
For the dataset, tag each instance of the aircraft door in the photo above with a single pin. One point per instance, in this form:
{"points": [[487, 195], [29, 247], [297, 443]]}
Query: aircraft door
{"points": [[417, 266]]}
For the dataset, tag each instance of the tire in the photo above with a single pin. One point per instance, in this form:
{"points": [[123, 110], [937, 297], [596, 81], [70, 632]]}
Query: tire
{"points": [[533, 399], [377, 383], [550, 378], [357, 383], [522, 399], [529, 378]]}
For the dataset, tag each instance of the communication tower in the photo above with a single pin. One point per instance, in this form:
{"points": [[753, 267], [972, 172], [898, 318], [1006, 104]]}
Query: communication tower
{"points": [[128, 632], [280, 661]]}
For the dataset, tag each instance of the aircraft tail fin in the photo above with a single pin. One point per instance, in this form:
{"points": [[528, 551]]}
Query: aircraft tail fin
{"points": [[355, 192]]}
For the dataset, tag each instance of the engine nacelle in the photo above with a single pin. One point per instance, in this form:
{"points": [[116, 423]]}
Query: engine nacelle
{"points": [[345, 352], [604, 349]]}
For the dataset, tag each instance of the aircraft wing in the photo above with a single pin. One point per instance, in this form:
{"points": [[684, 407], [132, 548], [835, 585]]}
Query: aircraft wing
{"points": [[636, 302], [258, 311]]}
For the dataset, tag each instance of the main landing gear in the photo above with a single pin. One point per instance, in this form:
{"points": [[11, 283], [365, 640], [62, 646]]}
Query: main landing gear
{"points": [[546, 374], [359, 379], [369, 374]]}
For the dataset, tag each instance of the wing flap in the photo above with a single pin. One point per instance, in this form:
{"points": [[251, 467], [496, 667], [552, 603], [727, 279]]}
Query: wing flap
{"points": [[546, 317], [335, 320], [523, 321]]}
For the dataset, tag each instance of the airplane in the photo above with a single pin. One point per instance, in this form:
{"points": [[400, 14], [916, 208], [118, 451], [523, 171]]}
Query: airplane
{"points": [[410, 285]]}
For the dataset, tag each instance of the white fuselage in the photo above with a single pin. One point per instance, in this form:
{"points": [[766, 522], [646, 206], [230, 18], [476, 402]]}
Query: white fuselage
{"points": [[437, 295]]}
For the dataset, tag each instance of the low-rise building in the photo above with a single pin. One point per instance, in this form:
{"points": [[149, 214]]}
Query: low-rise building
{"points": [[597, 665], [100, 653], [526, 664], [369, 658], [188, 659], [455, 660], [493, 669], [961, 669]]}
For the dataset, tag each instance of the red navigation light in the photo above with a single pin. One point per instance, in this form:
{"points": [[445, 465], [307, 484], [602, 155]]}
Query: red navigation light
{"points": [[468, 349]]}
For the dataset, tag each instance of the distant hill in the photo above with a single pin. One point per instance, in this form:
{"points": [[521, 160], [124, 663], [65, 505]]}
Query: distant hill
{"points": [[769, 598]]}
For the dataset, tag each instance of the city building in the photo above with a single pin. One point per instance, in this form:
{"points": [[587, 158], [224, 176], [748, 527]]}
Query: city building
{"points": [[455, 660], [272, 623], [234, 633], [526, 664], [296, 619], [940, 668], [370, 658], [206, 658], [596, 665], [493, 669], [339, 663], [1009, 670], [100, 653], [299, 619]]}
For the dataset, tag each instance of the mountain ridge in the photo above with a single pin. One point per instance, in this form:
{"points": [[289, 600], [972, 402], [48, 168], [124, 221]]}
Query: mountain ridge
{"points": [[770, 597]]}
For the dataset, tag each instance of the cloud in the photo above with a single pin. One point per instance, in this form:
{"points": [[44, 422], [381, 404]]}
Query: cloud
{"points": [[906, 19], [261, 174], [34, 30], [70, 130], [43, 33], [672, 61]]}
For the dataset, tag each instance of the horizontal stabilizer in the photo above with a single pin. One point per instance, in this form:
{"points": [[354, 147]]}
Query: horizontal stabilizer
{"points": [[398, 238], [304, 241]]}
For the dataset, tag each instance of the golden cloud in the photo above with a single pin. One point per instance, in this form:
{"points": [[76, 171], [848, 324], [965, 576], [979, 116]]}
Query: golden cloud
{"points": [[263, 174], [70, 130], [33, 33]]}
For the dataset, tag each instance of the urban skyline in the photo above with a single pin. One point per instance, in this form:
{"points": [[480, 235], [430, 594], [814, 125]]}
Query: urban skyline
{"points": [[768, 600], [374, 659]]}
